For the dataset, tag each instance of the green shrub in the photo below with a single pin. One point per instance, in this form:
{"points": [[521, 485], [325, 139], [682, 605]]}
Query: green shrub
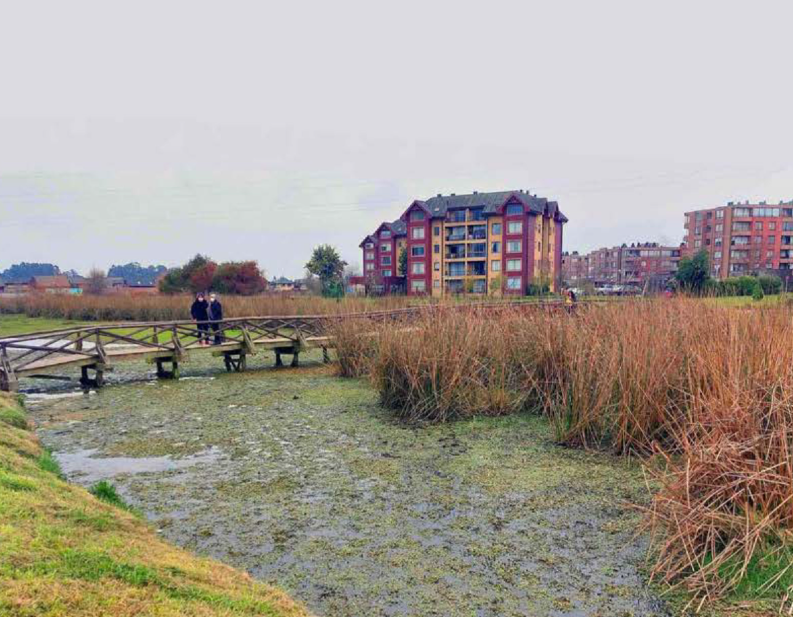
{"points": [[106, 492], [758, 294]]}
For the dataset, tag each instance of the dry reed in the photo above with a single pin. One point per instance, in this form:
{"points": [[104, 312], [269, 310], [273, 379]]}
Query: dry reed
{"points": [[703, 393]]}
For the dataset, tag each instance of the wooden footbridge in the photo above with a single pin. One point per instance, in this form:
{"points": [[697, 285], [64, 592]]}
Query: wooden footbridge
{"points": [[95, 349]]}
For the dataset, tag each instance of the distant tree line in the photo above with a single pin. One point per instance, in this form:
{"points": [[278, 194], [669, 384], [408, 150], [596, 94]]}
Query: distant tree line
{"points": [[242, 278], [23, 272], [135, 274]]}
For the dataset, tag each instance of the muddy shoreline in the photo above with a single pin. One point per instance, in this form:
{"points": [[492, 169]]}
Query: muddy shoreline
{"points": [[304, 481]]}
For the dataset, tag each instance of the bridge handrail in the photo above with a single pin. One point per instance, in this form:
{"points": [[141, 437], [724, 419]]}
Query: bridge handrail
{"points": [[165, 325]]}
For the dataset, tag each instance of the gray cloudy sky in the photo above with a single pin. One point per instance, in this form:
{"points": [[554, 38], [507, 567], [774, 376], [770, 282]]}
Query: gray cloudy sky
{"points": [[149, 131]]}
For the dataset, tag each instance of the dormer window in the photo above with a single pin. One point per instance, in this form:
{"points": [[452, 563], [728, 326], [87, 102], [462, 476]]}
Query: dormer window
{"points": [[417, 215], [514, 209], [369, 245], [385, 234]]}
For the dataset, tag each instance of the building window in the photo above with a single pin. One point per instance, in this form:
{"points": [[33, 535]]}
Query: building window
{"points": [[771, 225], [719, 214], [385, 248], [386, 273], [370, 256], [771, 239], [514, 282], [495, 229], [717, 255], [495, 265], [719, 228], [515, 227], [758, 225], [495, 248], [436, 230], [417, 251], [757, 239], [386, 261], [385, 234], [418, 286], [436, 284], [370, 266], [417, 215], [417, 233], [514, 246], [514, 210], [513, 265], [369, 245], [436, 266], [417, 268], [436, 248]]}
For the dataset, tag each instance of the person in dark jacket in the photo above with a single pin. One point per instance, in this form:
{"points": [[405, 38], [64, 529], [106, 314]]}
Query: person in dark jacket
{"points": [[215, 316], [200, 314]]}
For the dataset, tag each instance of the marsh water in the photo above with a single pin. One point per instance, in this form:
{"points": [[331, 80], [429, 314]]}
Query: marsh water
{"points": [[303, 480]]}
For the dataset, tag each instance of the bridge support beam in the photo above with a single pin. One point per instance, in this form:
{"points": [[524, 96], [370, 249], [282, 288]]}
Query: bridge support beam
{"points": [[162, 373], [236, 361], [97, 381], [293, 351]]}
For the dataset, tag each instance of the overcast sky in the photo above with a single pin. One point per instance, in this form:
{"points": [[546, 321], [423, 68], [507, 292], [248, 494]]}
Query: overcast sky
{"points": [[149, 131]]}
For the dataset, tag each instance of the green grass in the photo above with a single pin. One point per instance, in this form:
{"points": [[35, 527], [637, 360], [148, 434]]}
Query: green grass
{"points": [[21, 324], [65, 553], [740, 301]]}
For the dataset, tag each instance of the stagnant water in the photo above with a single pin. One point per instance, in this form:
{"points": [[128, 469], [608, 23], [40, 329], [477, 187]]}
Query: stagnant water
{"points": [[303, 480]]}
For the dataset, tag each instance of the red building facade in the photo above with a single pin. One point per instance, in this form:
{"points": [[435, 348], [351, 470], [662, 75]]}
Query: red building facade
{"points": [[480, 243], [742, 238]]}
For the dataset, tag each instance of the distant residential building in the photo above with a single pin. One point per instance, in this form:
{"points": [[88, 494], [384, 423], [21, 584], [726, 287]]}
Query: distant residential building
{"points": [[58, 284], [479, 243], [575, 268], [641, 264], [282, 284], [742, 238]]}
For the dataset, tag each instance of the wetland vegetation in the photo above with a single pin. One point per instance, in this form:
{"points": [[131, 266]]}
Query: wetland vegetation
{"points": [[305, 481]]}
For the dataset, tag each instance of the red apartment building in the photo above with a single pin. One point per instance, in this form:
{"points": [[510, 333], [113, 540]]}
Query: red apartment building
{"points": [[742, 238], [479, 243], [640, 264]]}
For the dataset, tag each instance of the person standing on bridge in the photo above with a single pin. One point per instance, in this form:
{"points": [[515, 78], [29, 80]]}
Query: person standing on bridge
{"points": [[215, 316], [200, 313]]}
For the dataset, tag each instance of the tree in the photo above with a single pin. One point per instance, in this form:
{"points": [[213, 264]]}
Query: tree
{"points": [[96, 283], [402, 269], [326, 263], [23, 272], [693, 273], [195, 275], [239, 278]]}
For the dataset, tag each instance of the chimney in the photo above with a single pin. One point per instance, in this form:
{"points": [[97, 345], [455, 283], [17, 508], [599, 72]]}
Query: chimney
{"points": [[452, 194], [440, 194], [476, 192]]}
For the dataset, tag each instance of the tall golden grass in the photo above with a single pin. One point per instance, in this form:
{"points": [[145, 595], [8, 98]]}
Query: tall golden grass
{"points": [[126, 307], [703, 393]]}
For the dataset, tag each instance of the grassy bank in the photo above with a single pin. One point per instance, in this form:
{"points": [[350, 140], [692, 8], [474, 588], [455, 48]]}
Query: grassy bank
{"points": [[63, 552], [700, 391]]}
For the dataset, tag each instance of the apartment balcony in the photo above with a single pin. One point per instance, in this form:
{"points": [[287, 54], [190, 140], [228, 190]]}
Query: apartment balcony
{"points": [[477, 232], [457, 234]]}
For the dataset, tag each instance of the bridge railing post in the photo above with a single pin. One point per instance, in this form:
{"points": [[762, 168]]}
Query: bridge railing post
{"points": [[8, 380]]}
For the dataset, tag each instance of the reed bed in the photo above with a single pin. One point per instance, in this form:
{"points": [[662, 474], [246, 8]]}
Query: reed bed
{"points": [[702, 393], [127, 307]]}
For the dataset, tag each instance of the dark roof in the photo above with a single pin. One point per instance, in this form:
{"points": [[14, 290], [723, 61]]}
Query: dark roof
{"points": [[281, 280], [491, 202], [59, 280], [399, 227]]}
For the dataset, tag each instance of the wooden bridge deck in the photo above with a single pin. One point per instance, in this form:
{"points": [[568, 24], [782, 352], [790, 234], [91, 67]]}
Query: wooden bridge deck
{"points": [[94, 349]]}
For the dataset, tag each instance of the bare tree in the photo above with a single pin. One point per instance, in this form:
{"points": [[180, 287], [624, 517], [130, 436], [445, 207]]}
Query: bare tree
{"points": [[96, 283]]}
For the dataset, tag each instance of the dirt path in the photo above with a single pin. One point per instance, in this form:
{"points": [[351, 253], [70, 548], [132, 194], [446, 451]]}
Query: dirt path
{"points": [[301, 479]]}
